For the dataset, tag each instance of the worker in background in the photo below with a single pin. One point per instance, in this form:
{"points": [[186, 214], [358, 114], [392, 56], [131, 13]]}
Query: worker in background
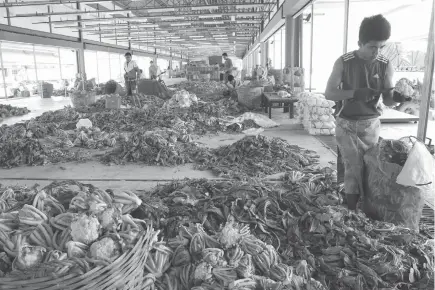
{"points": [[228, 66], [131, 73], [141, 74], [154, 70], [357, 82], [232, 86]]}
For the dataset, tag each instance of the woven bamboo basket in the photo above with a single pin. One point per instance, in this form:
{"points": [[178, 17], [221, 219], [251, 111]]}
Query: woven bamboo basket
{"points": [[81, 99], [125, 273]]}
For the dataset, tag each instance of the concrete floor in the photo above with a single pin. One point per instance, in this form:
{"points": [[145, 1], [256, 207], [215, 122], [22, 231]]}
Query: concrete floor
{"points": [[140, 176]]}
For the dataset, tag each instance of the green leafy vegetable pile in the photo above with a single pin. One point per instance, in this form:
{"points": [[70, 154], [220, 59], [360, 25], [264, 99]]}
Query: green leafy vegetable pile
{"points": [[202, 88], [257, 156], [293, 236], [7, 111]]}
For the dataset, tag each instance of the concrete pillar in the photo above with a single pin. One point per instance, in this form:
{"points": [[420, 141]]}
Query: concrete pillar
{"points": [[263, 57], [293, 41], [81, 60]]}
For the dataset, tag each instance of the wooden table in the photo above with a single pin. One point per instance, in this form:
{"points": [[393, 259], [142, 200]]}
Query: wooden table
{"points": [[269, 99]]}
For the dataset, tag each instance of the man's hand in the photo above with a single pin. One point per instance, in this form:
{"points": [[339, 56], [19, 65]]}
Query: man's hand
{"points": [[364, 95], [399, 98]]}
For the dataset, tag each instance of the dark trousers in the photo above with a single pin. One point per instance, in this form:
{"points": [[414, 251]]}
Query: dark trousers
{"points": [[130, 85], [340, 167]]}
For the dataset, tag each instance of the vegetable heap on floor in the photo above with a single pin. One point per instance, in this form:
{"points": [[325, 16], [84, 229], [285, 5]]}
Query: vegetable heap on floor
{"points": [[214, 235], [66, 228], [234, 235], [48, 138], [7, 111], [201, 88], [257, 156]]}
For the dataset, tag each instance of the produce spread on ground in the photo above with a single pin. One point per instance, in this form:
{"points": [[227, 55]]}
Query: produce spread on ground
{"points": [[238, 233], [7, 111]]}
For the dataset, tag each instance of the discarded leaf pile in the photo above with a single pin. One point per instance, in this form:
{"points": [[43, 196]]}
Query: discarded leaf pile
{"points": [[48, 138], [7, 111], [233, 235], [67, 228], [201, 88], [257, 156], [159, 147]]}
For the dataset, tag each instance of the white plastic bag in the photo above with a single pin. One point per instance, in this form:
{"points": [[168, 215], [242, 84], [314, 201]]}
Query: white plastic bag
{"points": [[253, 131], [259, 119], [419, 167], [84, 123]]}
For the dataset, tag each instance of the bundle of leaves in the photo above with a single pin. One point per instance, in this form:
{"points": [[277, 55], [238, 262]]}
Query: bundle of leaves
{"points": [[7, 111], [257, 156], [161, 147], [18, 147], [298, 236]]}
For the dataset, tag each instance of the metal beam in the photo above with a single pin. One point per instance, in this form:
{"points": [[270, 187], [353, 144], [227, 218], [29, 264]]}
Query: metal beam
{"points": [[121, 11], [167, 16]]}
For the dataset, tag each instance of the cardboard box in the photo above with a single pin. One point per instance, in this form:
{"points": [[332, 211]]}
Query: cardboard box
{"points": [[113, 102]]}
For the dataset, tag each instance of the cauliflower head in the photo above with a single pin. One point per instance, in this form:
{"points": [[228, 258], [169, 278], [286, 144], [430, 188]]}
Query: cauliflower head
{"points": [[85, 229], [110, 218], [404, 87], [28, 257], [105, 249]]}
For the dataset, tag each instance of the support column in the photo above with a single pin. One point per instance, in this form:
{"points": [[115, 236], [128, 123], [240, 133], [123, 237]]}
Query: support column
{"points": [[293, 38], [81, 61], [263, 56]]}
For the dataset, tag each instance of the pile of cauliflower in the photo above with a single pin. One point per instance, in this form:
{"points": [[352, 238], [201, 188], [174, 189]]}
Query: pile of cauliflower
{"points": [[182, 99], [96, 227], [405, 87]]}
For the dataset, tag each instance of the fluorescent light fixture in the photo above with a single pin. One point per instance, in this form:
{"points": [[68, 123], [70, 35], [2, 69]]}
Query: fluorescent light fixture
{"points": [[204, 7], [158, 10], [181, 24], [233, 18], [173, 17], [213, 22], [196, 36], [116, 12], [209, 16], [218, 35]]}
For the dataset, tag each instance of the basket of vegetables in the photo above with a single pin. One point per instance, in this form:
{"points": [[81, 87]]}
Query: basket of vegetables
{"points": [[72, 236], [84, 92]]}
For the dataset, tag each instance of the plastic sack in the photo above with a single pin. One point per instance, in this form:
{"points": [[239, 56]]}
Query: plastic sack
{"points": [[259, 119], [418, 169], [86, 123], [385, 199], [321, 132], [253, 131]]}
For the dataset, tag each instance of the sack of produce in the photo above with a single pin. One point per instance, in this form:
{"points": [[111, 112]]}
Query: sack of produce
{"points": [[249, 96], [321, 132], [384, 198], [73, 236], [315, 113]]}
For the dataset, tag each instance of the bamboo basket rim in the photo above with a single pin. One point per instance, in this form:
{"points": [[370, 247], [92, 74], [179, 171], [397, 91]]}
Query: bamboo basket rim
{"points": [[99, 277]]}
